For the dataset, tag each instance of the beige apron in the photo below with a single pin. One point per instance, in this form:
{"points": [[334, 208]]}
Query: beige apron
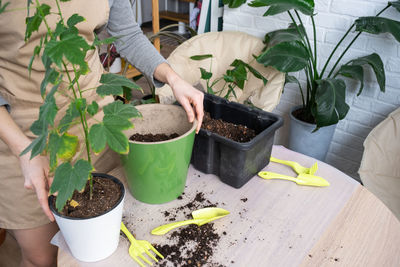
{"points": [[19, 207]]}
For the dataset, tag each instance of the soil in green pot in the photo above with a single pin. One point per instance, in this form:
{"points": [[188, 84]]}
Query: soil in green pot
{"points": [[152, 137], [106, 194], [235, 132]]}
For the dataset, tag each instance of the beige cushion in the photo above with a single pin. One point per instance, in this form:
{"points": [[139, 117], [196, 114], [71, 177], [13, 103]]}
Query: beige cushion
{"points": [[380, 165], [225, 47]]}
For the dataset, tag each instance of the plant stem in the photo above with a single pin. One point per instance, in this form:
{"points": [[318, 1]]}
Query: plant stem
{"points": [[316, 76], [307, 40], [347, 48]]}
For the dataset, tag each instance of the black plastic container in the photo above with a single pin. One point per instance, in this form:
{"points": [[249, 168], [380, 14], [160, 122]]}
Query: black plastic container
{"points": [[235, 163]]}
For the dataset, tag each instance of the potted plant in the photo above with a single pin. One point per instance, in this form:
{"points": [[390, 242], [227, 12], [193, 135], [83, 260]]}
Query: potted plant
{"points": [[63, 52], [323, 98]]}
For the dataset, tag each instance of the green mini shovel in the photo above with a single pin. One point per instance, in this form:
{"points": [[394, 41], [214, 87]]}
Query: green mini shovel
{"points": [[200, 217]]}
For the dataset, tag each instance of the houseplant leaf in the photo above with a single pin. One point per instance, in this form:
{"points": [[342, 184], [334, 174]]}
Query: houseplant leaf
{"points": [[62, 147], [234, 3], [284, 35], [355, 72], [205, 75], [33, 23], [201, 57], [72, 47], [375, 62], [377, 25], [71, 113], [114, 84], [330, 105], [278, 6], [285, 57], [3, 7], [37, 145], [93, 108], [68, 178], [395, 4]]}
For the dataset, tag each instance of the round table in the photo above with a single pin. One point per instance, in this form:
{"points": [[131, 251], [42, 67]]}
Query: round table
{"points": [[280, 223]]}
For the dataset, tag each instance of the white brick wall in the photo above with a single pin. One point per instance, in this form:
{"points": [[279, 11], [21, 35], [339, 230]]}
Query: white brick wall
{"points": [[332, 20]]}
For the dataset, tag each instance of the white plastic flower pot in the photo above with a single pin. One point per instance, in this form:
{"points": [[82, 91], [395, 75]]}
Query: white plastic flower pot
{"points": [[96, 238]]}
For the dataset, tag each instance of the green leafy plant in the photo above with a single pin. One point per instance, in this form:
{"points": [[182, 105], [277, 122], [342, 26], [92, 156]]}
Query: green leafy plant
{"points": [[235, 77], [63, 49], [289, 50], [3, 7]]}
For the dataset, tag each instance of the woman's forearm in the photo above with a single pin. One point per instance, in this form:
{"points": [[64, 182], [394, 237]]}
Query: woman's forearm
{"points": [[11, 134]]}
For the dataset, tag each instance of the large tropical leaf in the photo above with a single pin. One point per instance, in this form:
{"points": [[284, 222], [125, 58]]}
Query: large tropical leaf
{"points": [[330, 103], [234, 3], [396, 5], [284, 35], [68, 178], [285, 57], [278, 6], [355, 72], [114, 84], [375, 61], [377, 25]]}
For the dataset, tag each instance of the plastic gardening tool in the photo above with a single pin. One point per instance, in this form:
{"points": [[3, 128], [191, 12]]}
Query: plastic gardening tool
{"points": [[200, 217], [296, 166], [301, 179], [138, 248]]}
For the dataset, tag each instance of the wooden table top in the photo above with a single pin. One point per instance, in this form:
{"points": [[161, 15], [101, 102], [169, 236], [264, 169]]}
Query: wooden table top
{"points": [[277, 222]]}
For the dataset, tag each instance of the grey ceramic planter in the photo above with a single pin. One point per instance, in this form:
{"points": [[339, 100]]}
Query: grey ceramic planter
{"points": [[303, 140]]}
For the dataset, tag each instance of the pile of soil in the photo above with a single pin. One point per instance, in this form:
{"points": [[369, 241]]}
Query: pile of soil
{"points": [[192, 245], [152, 137], [235, 132], [106, 194]]}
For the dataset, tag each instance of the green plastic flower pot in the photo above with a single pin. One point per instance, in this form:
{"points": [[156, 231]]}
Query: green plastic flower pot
{"points": [[156, 171]]}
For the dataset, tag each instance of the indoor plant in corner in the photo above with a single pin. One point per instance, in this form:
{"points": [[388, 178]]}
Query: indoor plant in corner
{"points": [[81, 130], [323, 98]]}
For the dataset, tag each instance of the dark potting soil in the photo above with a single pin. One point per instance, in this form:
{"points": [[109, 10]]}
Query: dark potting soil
{"points": [[106, 194], [235, 132], [152, 137], [193, 245], [303, 116]]}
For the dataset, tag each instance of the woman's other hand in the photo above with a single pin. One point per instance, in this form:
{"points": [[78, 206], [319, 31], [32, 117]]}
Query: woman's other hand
{"points": [[189, 97]]}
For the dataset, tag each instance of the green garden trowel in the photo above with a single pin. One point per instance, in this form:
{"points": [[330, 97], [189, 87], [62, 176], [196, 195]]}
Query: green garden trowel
{"points": [[200, 217]]}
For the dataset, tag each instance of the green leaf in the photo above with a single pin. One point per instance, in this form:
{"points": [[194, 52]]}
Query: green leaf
{"points": [[121, 110], [228, 78], [68, 178], [33, 23], [375, 62], [285, 57], [62, 147], [37, 145], [114, 84], [355, 72], [3, 7], [98, 42], [36, 52], [72, 47], [205, 75], [278, 6], [284, 35], [93, 108], [74, 19], [330, 105], [251, 69], [201, 57], [395, 4], [234, 3], [50, 77], [291, 79], [377, 25], [97, 137], [47, 113], [239, 73], [71, 113]]}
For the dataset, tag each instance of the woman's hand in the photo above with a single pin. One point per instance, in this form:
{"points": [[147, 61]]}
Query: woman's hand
{"points": [[35, 170], [189, 97], [36, 174]]}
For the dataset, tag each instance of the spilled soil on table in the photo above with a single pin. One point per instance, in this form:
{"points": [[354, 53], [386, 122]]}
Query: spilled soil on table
{"points": [[192, 245]]}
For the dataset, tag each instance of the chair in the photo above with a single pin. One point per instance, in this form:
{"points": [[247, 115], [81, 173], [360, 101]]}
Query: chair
{"points": [[225, 48], [380, 165]]}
